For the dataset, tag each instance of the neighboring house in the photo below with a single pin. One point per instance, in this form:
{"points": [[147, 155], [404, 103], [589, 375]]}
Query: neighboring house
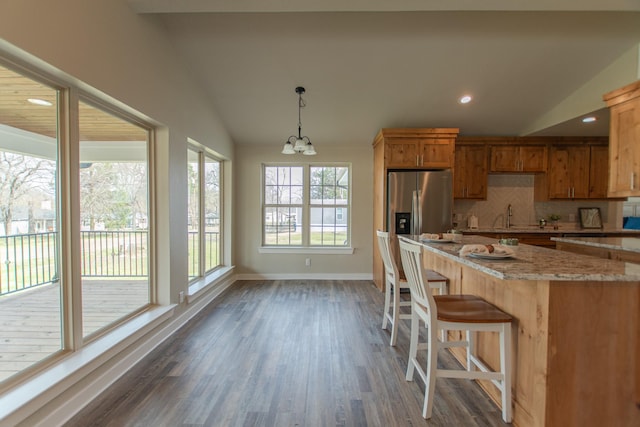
{"points": [[27, 221]]}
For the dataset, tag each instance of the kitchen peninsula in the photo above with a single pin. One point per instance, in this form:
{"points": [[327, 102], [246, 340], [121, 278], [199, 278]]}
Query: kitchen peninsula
{"points": [[576, 358], [534, 235], [625, 249]]}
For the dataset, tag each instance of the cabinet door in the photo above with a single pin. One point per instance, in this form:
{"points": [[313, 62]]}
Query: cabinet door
{"points": [[459, 173], [569, 172], [579, 172], [470, 172], [436, 153], [599, 172], [624, 158], [533, 158], [505, 158], [402, 153], [559, 175]]}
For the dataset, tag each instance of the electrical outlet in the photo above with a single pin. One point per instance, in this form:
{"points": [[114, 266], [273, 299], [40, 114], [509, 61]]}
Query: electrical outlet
{"points": [[307, 262], [181, 297]]}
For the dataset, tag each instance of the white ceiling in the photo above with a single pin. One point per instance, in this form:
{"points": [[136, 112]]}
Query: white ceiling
{"points": [[372, 64]]}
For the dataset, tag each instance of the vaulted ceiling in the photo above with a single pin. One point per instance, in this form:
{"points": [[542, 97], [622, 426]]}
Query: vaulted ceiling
{"points": [[374, 64]]}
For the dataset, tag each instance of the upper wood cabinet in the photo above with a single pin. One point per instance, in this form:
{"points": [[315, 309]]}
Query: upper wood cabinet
{"points": [[470, 172], [568, 172], [422, 148], [599, 172], [624, 141], [578, 169], [519, 158]]}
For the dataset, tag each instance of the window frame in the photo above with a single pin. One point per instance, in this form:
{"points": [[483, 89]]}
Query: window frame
{"points": [[68, 224], [203, 153], [305, 247], [111, 109]]}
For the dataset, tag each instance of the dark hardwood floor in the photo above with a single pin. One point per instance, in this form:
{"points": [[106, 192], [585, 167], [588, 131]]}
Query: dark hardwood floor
{"points": [[286, 353]]}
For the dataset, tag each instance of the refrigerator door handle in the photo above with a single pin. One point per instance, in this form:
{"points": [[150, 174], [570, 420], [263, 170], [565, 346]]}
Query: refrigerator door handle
{"points": [[416, 213]]}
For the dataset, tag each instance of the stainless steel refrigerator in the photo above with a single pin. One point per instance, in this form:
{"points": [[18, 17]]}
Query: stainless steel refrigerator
{"points": [[418, 202]]}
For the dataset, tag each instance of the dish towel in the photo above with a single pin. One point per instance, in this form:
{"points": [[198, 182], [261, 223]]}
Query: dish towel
{"points": [[486, 249], [431, 236]]}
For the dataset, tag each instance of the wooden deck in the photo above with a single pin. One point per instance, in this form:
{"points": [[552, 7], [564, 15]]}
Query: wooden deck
{"points": [[30, 321]]}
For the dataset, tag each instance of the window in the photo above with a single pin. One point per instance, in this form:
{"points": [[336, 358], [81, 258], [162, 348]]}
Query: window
{"points": [[114, 217], [306, 205], [204, 212], [39, 244]]}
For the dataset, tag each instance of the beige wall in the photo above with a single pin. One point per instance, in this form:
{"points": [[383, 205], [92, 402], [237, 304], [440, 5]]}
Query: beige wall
{"points": [[247, 208]]}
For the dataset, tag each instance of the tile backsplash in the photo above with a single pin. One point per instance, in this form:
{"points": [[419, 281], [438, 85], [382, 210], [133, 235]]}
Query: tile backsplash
{"points": [[517, 190]]}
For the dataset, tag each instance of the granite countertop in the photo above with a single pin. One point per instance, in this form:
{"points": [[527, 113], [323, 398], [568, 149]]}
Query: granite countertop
{"points": [[536, 263], [629, 244], [550, 230]]}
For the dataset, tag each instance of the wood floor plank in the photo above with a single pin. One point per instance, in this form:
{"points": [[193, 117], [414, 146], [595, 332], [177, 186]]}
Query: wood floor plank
{"points": [[286, 353]]}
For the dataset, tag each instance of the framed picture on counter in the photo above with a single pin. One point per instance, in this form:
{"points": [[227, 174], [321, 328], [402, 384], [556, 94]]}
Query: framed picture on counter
{"points": [[590, 217]]}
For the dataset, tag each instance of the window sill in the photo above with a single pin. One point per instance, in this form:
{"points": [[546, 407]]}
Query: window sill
{"points": [[306, 250], [201, 286]]}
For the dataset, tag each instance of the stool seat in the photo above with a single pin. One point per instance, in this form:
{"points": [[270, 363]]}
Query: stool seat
{"points": [[468, 309]]}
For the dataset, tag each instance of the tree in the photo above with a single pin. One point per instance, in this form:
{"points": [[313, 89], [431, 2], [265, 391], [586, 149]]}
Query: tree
{"points": [[329, 184], [131, 179], [20, 175], [113, 193], [96, 185], [212, 188]]}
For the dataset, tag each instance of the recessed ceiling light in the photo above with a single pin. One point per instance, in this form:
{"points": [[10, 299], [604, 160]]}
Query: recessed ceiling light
{"points": [[39, 101], [465, 99], [589, 119]]}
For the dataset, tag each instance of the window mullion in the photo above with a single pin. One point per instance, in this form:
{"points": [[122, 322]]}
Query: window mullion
{"points": [[201, 209], [70, 245], [306, 211]]}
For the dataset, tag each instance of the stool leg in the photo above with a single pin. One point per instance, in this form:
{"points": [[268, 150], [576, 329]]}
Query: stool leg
{"points": [[505, 364], [442, 290], [413, 344], [396, 315], [470, 350], [387, 300], [432, 366]]}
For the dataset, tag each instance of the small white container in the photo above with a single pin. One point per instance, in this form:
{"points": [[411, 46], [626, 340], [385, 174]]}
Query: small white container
{"points": [[472, 223]]}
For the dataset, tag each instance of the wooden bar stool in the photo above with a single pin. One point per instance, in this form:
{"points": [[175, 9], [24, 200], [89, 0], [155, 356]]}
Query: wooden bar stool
{"points": [[394, 281], [453, 312]]}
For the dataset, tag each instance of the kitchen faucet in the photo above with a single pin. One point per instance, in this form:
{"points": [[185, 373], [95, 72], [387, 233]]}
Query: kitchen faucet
{"points": [[509, 215]]}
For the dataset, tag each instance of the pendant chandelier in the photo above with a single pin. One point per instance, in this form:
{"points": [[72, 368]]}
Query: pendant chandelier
{"points": [[299, 144]]}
